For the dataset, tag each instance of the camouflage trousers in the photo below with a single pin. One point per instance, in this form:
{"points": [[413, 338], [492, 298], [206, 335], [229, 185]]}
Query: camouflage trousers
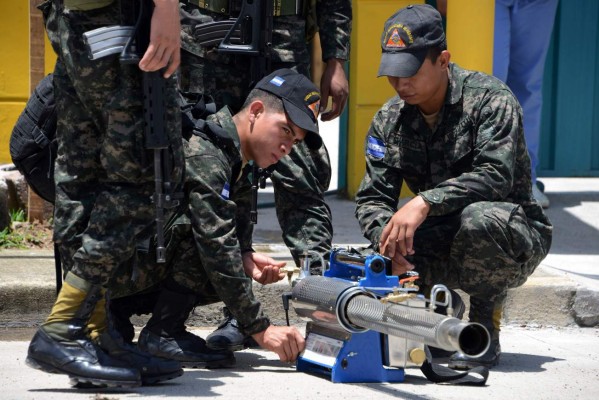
{"points": [[103, 174], [142, 274], [485, 249], [299, 180]]}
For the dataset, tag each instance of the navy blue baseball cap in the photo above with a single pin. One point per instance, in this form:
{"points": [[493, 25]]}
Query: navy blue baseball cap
{"points": [[407, 36], [301, 100]]}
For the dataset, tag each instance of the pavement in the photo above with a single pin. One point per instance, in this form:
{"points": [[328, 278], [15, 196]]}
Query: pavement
{"points": [[550, 334], [536, 364]]}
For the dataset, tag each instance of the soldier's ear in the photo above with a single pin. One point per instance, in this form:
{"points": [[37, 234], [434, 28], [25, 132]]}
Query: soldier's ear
{"points": [[255, 109], [444, 58]]}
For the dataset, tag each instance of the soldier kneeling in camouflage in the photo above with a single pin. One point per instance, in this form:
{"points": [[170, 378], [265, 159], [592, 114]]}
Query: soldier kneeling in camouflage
{"points": [[209, 256], [456, 138]]}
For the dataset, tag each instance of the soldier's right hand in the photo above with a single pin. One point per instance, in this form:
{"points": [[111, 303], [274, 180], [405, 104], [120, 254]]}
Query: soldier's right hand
{"points": [[399, 265], [164, 49], [285, 341], [398, 234]]}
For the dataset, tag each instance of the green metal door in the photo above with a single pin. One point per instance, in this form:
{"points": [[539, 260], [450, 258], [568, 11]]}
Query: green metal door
{"points": [[570, 123]]}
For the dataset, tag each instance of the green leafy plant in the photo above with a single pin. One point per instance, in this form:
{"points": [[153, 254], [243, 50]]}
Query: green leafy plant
{"points": [[22, 234], [17, 215], [10, 240]]}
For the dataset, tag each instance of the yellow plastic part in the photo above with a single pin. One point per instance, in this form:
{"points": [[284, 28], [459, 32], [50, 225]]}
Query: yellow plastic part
{"points": [[417, 356]]}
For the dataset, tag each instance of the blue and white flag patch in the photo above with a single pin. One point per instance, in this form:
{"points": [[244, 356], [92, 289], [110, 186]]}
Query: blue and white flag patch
{"points": [[225, 192], [376, 147], [277, 81]]}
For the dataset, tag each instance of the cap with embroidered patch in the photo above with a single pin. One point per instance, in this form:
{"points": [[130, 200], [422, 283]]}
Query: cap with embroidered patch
{"points": [[407, 36], [301, 100]]}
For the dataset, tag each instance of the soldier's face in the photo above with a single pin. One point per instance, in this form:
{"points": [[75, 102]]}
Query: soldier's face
{"points": [[273, 136], [426, 89]]}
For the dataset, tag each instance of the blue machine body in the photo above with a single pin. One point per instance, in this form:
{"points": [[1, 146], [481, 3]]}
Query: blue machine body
{"points": [[352, 357]]}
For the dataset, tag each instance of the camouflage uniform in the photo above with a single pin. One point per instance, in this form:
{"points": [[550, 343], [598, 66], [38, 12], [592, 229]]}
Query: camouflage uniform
{"points": [[207, 238], [484, 232], [301, 179], [104, 176]]}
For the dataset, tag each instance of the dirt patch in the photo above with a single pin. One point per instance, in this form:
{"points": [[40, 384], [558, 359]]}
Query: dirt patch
{"points": [[28, 235]]}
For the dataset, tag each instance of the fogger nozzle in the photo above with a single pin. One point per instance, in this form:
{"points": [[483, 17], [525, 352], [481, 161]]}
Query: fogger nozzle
{"points": [[338, 302]]}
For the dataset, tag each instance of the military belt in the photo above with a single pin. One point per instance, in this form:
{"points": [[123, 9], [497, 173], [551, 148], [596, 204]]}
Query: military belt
{"points": [[228, 7]]}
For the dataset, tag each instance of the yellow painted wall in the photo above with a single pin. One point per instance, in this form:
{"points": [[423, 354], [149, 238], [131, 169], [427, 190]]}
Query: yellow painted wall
{"points": [[470, 33], [49, 57], [470, 41], [367, 92], [14, 68]]}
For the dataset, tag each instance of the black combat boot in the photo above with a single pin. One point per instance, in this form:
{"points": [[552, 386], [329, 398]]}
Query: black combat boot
{"points": [[488, 314], [61, 345], [123, 308], [152, 369], [228, 336], [165, 334]]}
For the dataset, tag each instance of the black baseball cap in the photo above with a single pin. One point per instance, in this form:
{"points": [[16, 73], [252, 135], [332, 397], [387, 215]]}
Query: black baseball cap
{"points": [[407, 36], [301, 100]]}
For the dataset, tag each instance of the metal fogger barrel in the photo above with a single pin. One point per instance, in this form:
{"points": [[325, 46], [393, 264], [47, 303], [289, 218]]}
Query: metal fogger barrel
{"points": [[341, 303]]}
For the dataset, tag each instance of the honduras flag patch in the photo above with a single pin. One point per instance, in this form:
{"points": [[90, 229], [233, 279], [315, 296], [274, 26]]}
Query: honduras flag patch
{"points": [[277, 80], [225, 192], [376, 147]]}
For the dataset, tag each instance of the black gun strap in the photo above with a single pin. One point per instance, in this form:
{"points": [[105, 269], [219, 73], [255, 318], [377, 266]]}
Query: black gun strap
{"points": [[439, 374]]}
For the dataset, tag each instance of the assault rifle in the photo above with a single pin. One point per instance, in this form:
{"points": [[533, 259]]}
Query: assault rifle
{"points": [[131, 43], [250, 34]]}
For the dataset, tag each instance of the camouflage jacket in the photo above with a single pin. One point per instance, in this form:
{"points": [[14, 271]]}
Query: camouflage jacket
{"points": [[213, 188], [333, 18], [476, 153]]}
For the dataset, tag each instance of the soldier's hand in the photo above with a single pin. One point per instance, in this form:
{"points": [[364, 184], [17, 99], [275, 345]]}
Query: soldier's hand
{"points": [[263, 269], [334, 84], [398, 234], [285, 341], [164, 49], [399, 265]]}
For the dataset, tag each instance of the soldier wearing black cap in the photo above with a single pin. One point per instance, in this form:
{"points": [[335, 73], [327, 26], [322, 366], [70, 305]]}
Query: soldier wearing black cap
{"points": [[455, 137], [209, 255]]}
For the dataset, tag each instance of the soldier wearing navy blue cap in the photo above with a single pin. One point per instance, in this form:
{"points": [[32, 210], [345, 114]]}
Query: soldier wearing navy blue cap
{"points": [[210, 256], [455, 138]]}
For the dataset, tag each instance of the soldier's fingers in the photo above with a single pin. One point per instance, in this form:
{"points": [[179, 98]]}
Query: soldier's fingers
{"points": [[146, 61], [294, 350], [341, 101], [259, 275], [409, 243], [324, 100], [391, 246], [384, 236], [332, 113], [271, 275], [292, 347], [174, 62], [400, 265]]}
